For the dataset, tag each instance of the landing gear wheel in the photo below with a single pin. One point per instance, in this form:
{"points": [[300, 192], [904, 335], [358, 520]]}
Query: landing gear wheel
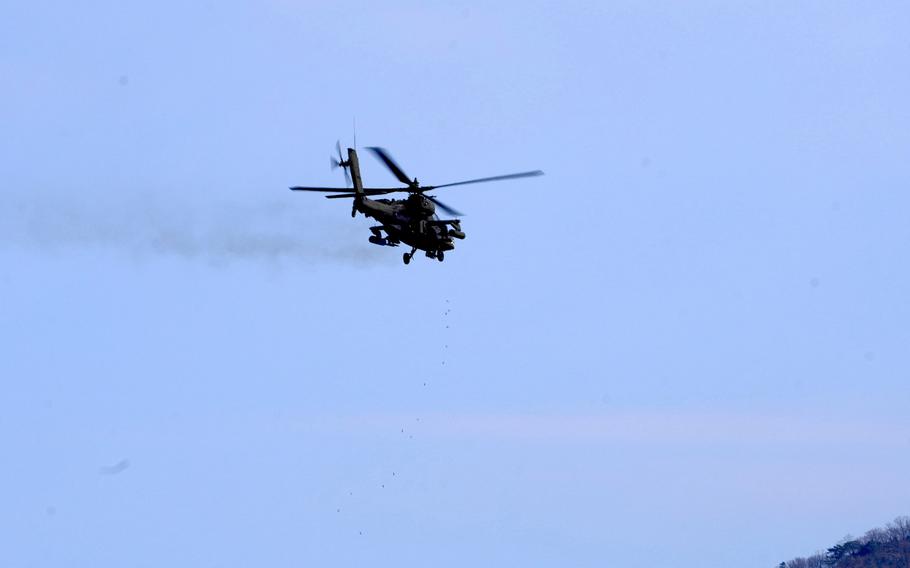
{"points": [[406, 258], [440, 256]]}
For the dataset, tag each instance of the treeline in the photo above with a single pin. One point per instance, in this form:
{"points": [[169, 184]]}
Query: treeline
{"points": [[887, 547]]}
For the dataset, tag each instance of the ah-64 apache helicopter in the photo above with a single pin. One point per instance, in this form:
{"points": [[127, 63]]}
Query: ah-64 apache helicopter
{"points": [[412, 220]]}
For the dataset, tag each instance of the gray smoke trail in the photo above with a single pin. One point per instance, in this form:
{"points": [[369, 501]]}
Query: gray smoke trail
{"points": [[213, 232]]}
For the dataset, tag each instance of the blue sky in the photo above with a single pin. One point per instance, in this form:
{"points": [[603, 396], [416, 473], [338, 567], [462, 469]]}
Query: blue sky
{"points": [[686, 344]]}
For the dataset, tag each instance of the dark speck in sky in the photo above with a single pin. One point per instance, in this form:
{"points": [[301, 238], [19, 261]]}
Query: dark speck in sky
{"points": [[114, 469]]}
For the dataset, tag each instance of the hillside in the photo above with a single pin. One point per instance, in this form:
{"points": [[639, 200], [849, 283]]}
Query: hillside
{"points": [[887, 547]]}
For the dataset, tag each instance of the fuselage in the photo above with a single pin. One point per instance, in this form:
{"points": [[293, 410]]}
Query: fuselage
{"points": [[411, 221]]}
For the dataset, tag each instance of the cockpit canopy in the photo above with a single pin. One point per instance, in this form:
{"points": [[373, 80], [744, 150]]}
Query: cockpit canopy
{"points": [[420, 205]]}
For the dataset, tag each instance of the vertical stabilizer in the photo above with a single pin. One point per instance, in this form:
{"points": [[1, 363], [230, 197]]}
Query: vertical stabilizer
{"points": [[355, 177], [355, 172]]}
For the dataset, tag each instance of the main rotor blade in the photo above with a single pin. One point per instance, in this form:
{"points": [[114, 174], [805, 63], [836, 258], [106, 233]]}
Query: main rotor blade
{"points": [[482, 180], [444, 207], [323, 189], [366, 192], [386, 159]]}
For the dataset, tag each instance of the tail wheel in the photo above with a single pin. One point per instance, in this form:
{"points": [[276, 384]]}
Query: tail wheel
{"points": [[406, 258], [440, 256]]}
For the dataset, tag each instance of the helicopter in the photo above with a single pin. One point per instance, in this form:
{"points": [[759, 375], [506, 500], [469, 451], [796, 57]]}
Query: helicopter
{"points": [[413, 220]]}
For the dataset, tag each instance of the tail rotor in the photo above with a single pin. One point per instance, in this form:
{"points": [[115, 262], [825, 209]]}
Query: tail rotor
{"points": [[340, 162]]}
